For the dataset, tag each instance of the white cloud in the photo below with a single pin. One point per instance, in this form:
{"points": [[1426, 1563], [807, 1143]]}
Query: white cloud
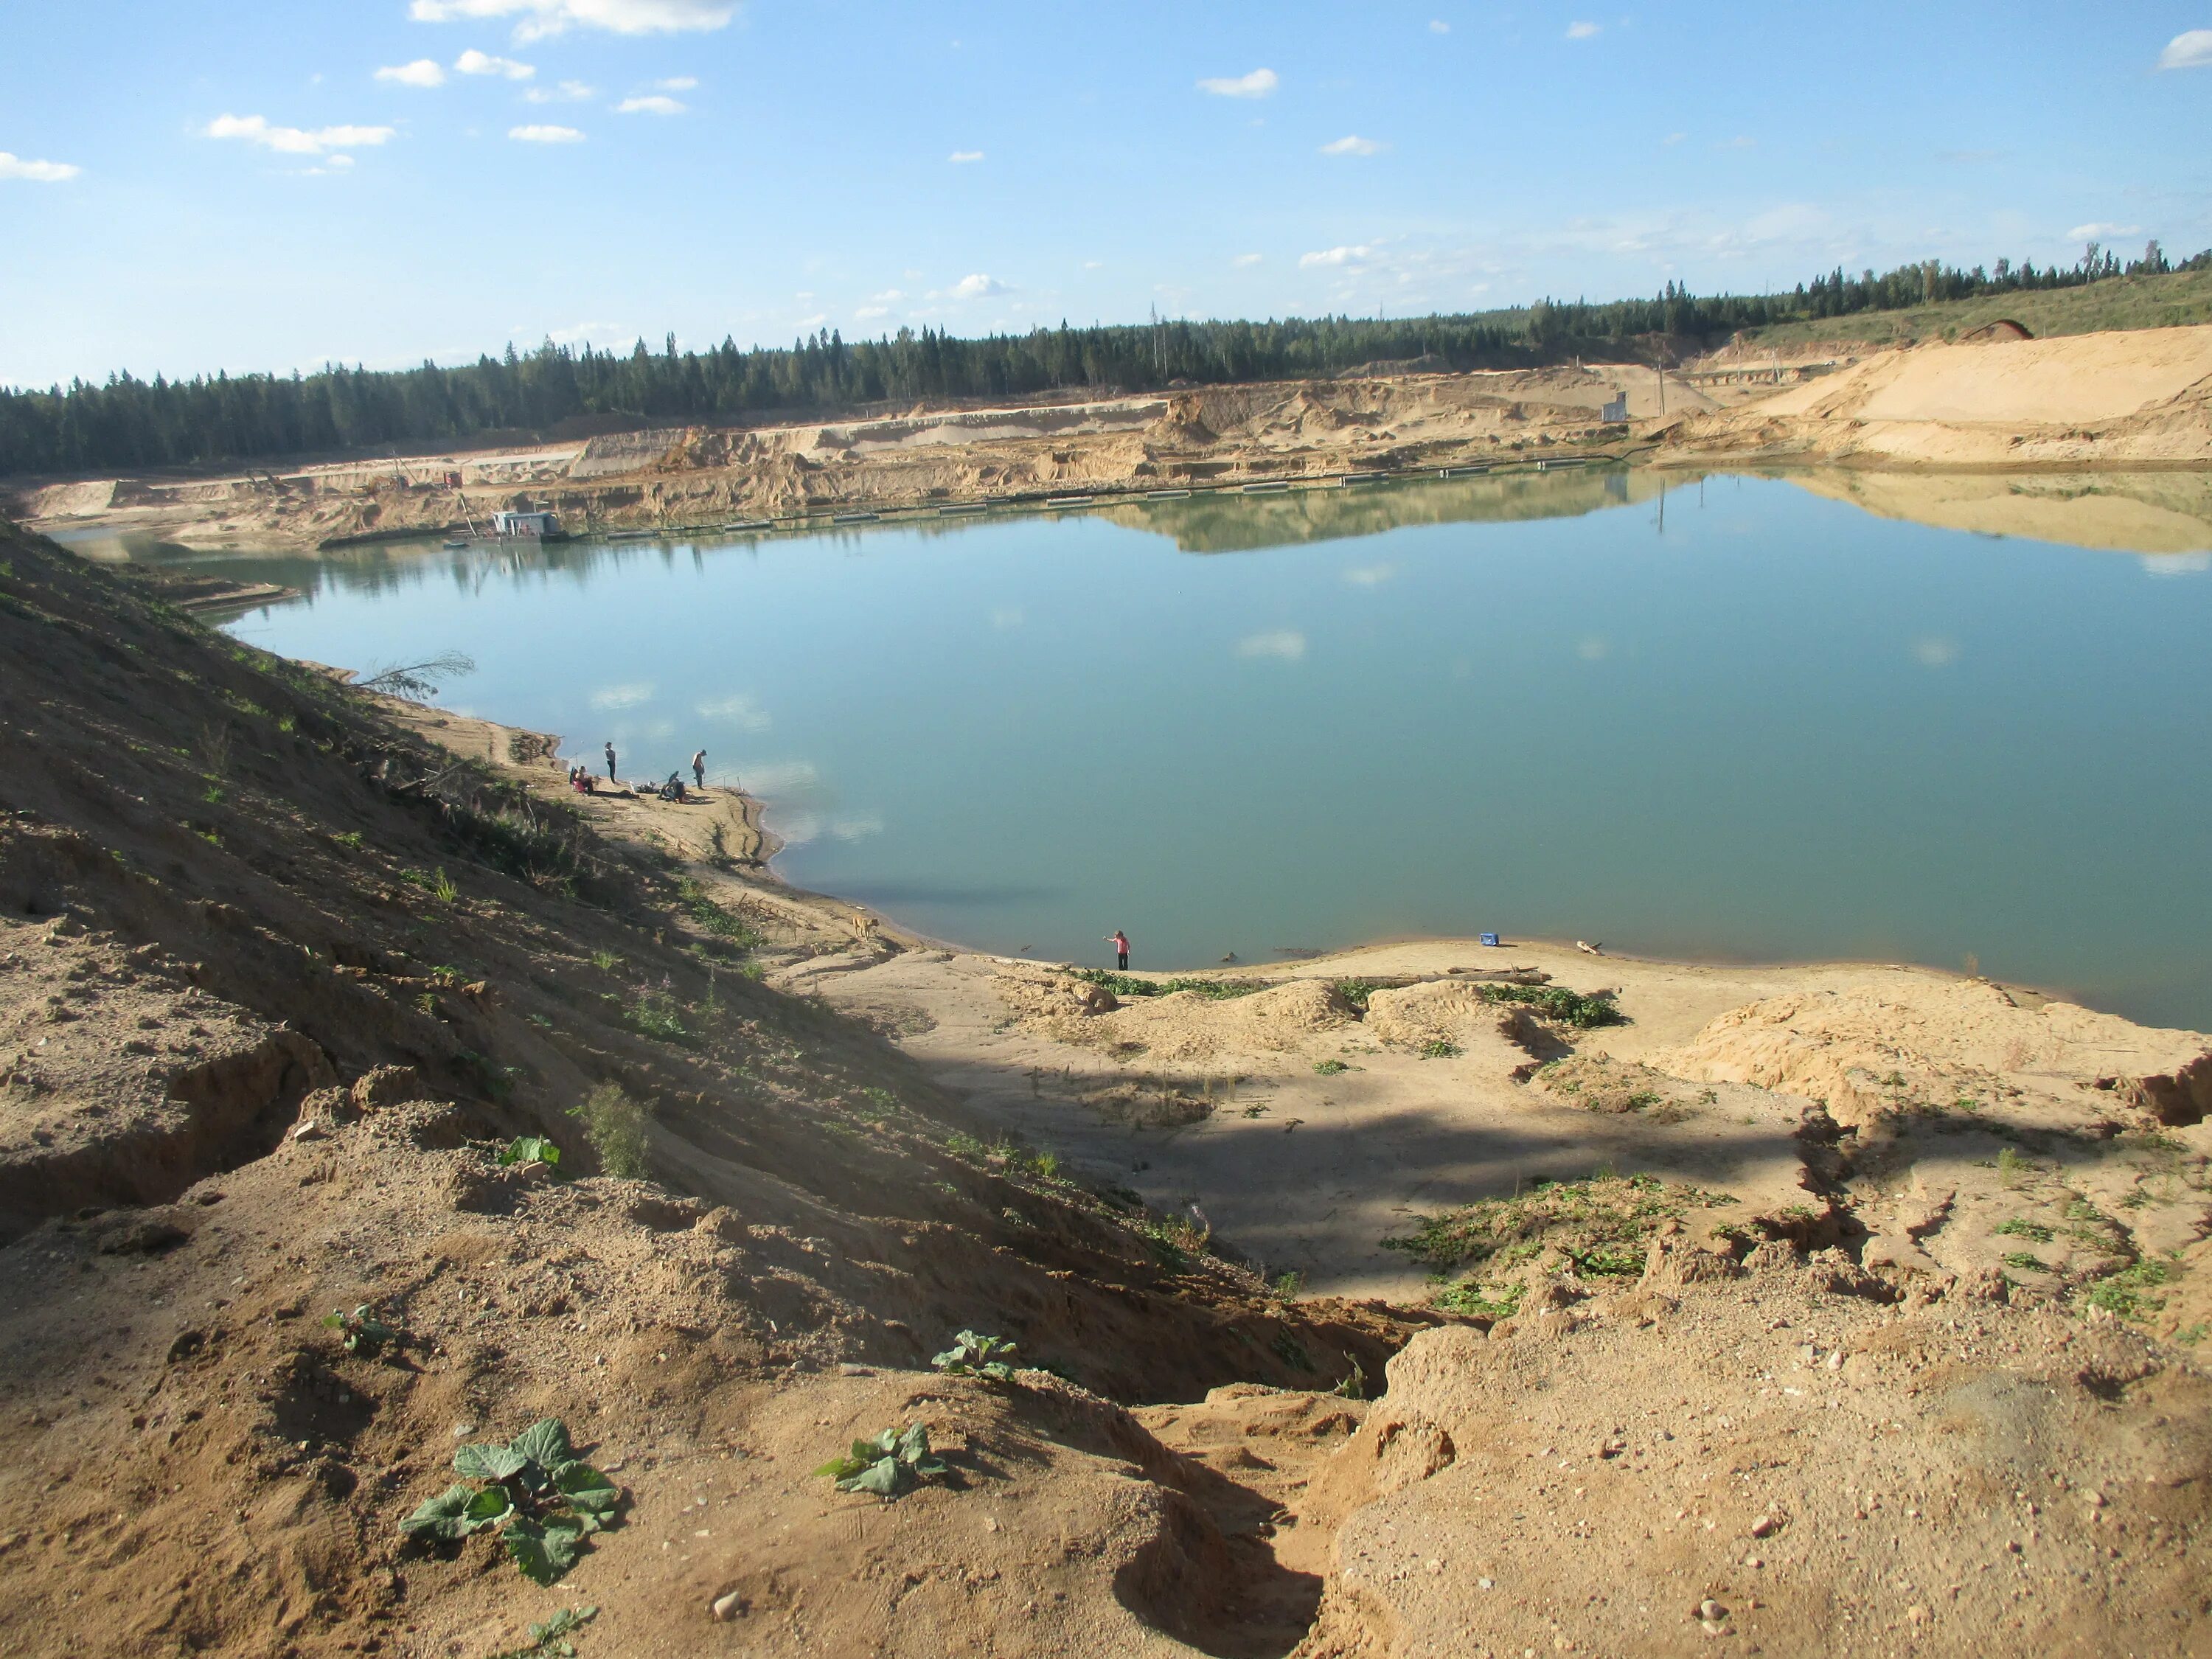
{"points": [[869, 314], [545, 134], [2177, 564], [1258, 84], [422, 72], [678, 83], [1247, 259], [1336, 256], [740, 711], [2189, 49], [963, 156], [1438, 26], [293, 141], [2098, 231], [782, 778], [652, 104], [1674, 138], [1582, 31], [1287, 644], [44, 172], [1936, 652], [1352, 144], [540, 18], [473, 62], [1594, 647], [815, 321], [1369, 575], [623, 696], [978, 286], [568, 92], [1005, 618]]}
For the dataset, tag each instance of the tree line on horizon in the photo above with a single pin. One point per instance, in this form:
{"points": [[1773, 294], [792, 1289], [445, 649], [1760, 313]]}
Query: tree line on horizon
{"points": [[127, 422]]}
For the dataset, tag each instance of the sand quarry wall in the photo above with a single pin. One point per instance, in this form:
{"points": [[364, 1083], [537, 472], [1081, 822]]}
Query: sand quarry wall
{"points": [[2139, 395]]}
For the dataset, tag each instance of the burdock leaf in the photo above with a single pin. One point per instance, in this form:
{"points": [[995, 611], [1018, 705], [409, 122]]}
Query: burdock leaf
{"points": [[544, 1442], [913, 1444], [839, 1468], [488, 1463], [881, 1478], [587, 1489], [445, 1517], [544, 1552], [488, 1506]]}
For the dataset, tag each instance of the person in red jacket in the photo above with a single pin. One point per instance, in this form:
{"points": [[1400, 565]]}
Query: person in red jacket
{"points": [[1120, 941]]}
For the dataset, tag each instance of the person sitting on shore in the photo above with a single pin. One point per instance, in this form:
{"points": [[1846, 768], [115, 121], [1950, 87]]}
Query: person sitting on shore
{"points": [[673, 789]]}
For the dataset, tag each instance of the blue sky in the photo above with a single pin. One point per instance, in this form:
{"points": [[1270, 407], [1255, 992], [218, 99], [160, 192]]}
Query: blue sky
{"points": [[190, 184]]}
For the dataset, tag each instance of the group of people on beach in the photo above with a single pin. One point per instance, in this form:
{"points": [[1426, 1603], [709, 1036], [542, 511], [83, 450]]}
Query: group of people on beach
{"points": [[583, 782]]}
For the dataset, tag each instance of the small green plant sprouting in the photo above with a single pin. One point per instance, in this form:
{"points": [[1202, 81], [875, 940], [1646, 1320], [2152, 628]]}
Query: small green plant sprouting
{"points": [[541, 1498], [699, 905], [2190, 1335], [213, 794], [1609, 1261], [1330, 1067], [349, 839], [973, 1355], [2012, 1168], [2020, 1227], [530, 1149], [288, 724], [657, 1014], [1439, 1049], [1047, 1164], [887, 1465], [1287, 1287], [426, 1002], [1129, 985], [1469, 1296], [2126, 1292], [606, 961], [549, 1640], [364, 1334], [436, 883], [2027, 1261], [615, 1126], [1357, 991], [1557, 1002], [1354, 1385]]}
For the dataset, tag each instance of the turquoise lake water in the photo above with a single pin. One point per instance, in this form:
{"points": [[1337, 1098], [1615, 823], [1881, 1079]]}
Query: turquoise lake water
{"points": [[1775, 728]]}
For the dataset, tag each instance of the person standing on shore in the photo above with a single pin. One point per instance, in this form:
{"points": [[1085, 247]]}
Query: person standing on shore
{"points": [[1120, 941], [610, 760], [699, 767]]}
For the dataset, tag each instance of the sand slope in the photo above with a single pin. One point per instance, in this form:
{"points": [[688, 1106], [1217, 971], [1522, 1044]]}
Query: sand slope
{"points": [[2142, 396]]}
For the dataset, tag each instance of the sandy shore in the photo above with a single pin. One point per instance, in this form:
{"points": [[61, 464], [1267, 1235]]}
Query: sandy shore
{"points": [[1305, 1130]]}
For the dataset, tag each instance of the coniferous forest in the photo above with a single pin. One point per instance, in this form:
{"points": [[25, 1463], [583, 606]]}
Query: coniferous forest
{"points": [[126, 422]]}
